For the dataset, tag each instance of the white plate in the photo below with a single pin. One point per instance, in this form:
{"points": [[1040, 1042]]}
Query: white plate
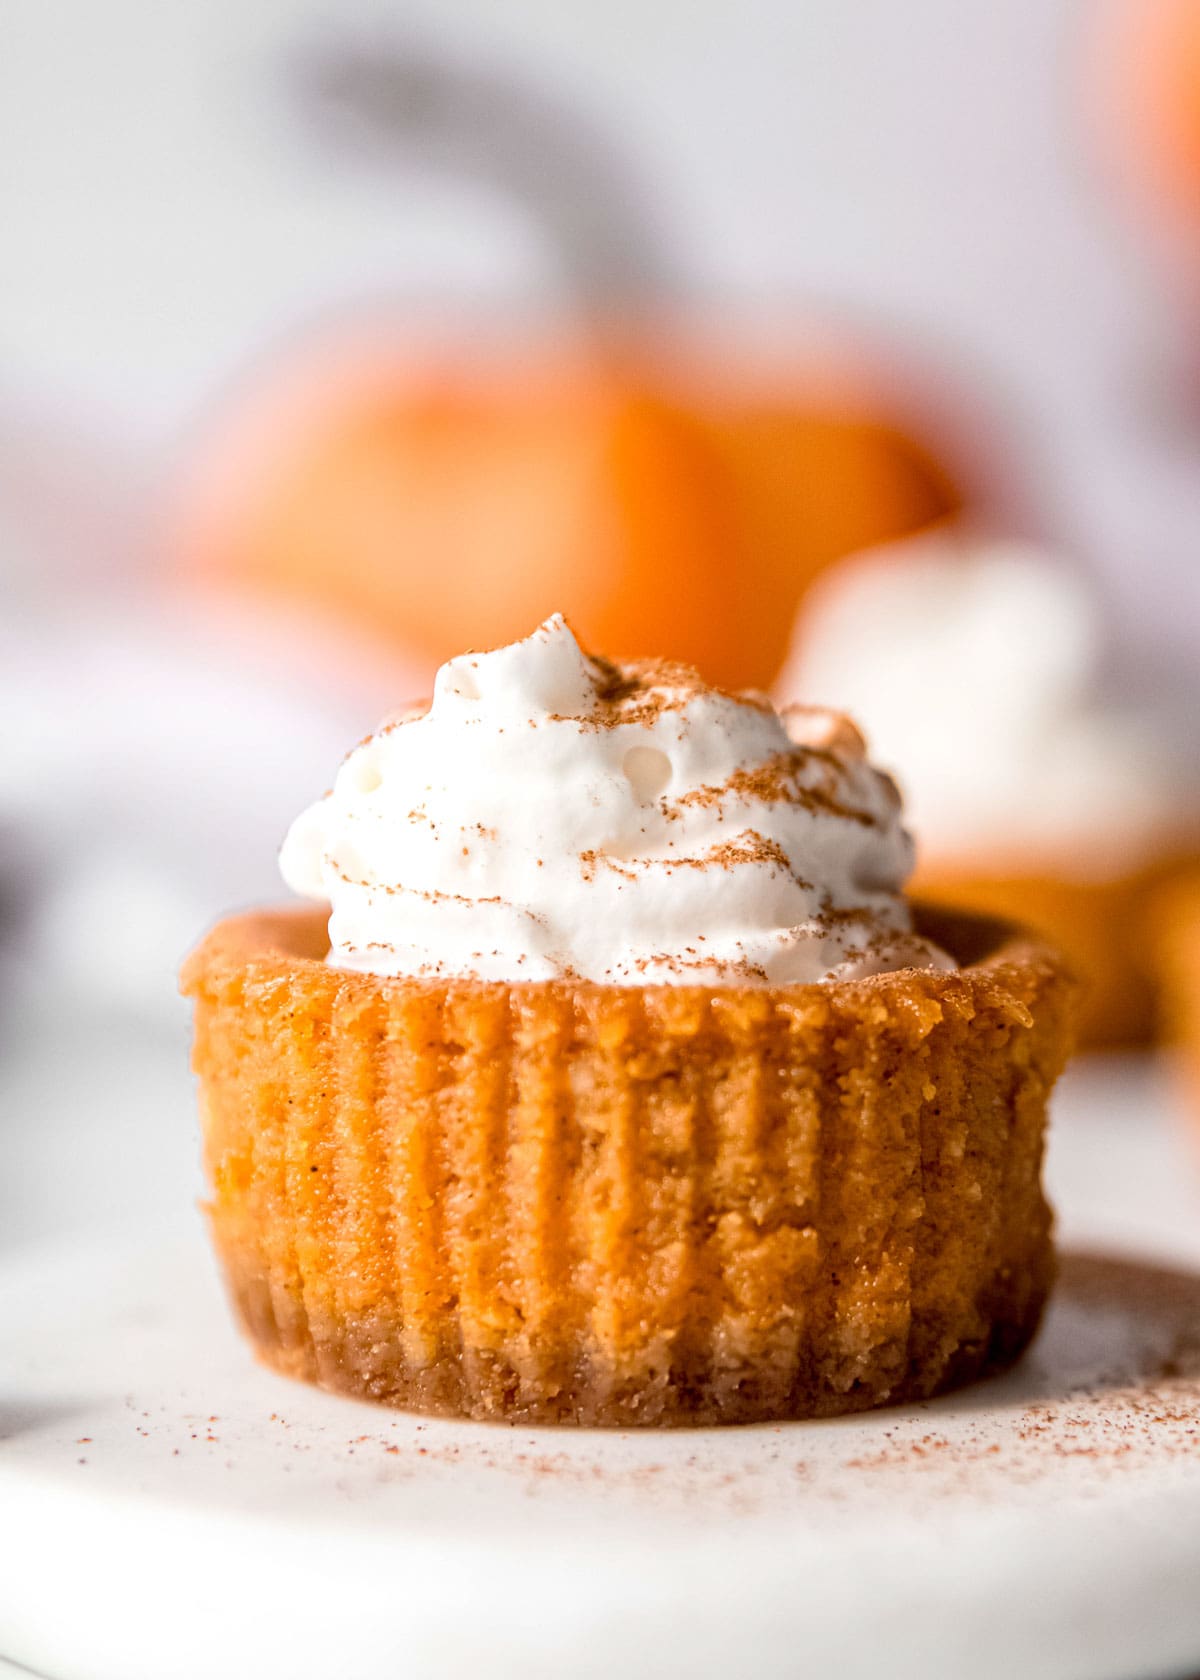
{"points": [[168, 1511]]}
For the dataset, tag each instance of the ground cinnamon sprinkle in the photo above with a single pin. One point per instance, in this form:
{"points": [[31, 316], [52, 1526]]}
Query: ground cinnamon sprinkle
{"points": [[747, 847], [775, 782], [432, 895], [696, 966], [594, 859], [639, 691], [857, 917]]}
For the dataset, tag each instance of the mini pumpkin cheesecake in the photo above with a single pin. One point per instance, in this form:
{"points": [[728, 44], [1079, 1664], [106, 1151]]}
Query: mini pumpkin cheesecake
{"points": [[622, 1085], [974, 663], [1103, 921]]}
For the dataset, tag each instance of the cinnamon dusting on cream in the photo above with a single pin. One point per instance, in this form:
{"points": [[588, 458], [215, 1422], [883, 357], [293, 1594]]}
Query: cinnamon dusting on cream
{"points": [[647, 829]]}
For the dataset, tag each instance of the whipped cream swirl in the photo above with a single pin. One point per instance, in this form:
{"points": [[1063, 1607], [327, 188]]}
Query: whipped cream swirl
{"points": [[552, 815]]}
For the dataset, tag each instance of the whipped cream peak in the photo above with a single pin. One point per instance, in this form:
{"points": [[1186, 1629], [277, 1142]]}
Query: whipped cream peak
{"points": [[546, 673], [555, 815]]}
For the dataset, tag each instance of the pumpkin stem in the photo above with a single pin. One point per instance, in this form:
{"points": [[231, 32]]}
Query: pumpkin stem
{"points": [[422, 104]]}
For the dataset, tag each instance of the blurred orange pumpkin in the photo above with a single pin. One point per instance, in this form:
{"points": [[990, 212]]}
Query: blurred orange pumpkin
{"points": [[1146, 81], [663, 505]]}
